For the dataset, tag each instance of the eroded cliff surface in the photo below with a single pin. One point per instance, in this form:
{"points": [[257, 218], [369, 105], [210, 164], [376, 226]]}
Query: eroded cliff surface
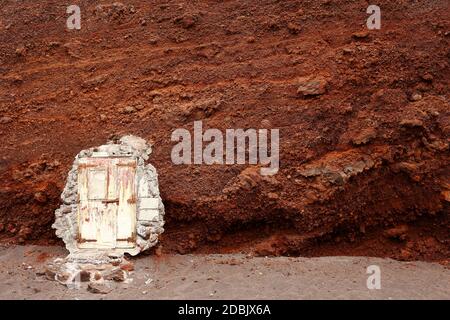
{"points": [[363, 116]]}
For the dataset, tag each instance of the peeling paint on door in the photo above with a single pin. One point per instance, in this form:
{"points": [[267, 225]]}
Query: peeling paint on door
{"points": [[111, 201], [107, 205]]}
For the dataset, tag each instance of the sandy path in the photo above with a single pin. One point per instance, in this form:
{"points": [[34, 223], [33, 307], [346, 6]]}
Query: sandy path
{"points": [[231, 277]]}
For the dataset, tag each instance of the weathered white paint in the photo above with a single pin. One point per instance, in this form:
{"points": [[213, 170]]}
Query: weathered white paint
{"points": [[148, 214], [100, 154], [149, 203], [107, 206], [79, 219], [148, 209], [126, 216], [97, 178]]}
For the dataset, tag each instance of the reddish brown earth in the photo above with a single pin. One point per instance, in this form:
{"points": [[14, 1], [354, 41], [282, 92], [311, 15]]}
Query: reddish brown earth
{"points": [[149, 67]]}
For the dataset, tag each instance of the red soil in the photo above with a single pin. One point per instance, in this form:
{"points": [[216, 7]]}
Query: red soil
{"points": [[236, 64]]}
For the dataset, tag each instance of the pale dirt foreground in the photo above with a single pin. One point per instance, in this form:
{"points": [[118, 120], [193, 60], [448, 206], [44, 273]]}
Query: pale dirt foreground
{"points": [[230, 277]]}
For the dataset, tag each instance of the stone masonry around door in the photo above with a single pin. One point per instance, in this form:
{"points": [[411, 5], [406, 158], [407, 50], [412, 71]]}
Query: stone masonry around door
{"points": [[111, 202]]}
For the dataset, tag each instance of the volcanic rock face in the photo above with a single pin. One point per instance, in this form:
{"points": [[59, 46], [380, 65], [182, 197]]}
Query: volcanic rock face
{"points": [[363, 118], [149, 221]]}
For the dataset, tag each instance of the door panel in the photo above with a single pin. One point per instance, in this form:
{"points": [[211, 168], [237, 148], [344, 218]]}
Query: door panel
{"points": [[126, 215], [97, 179], [106, 235], [106, 210]]}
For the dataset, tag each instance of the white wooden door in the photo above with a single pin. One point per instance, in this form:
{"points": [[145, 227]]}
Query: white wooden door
{"points": [[126, 211], [107, 203]]}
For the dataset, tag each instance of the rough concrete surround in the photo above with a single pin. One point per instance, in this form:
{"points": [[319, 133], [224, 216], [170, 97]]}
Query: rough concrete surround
{"points": [[149, 207]]}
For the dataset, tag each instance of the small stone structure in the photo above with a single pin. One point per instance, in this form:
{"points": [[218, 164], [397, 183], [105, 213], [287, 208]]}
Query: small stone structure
{"points": [[93, 206]]}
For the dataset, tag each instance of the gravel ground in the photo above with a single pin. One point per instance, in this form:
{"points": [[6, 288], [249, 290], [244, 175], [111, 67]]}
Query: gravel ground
{"points": [[230, 277]]}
